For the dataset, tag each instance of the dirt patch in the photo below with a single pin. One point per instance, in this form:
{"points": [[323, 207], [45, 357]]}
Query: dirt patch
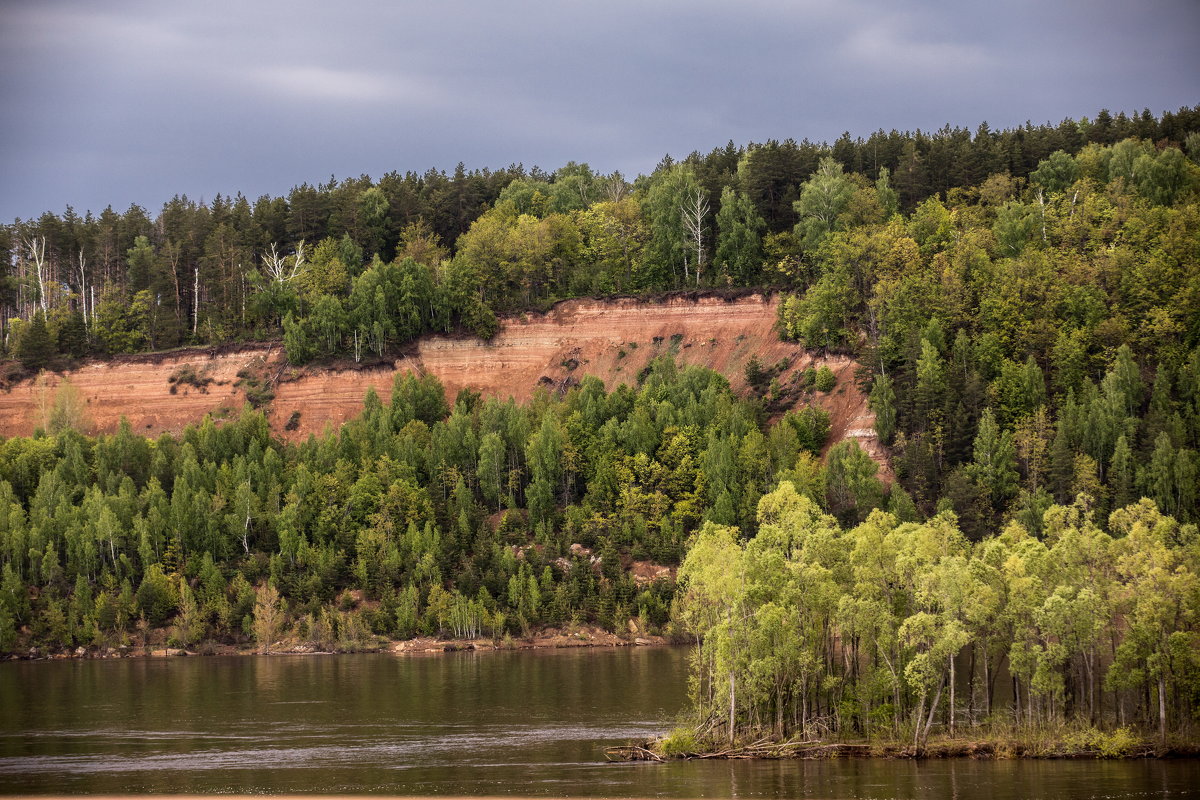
{"points": [[645, 572]]}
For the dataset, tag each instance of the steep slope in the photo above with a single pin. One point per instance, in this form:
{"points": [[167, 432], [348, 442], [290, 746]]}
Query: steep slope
{"points": [[610, 339]]}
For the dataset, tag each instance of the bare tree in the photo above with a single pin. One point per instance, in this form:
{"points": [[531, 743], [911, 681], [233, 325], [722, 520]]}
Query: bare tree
{"points": [[615, 187], [196, 301], [281, 269], [694, 207], [83, 297], [37, 251]]}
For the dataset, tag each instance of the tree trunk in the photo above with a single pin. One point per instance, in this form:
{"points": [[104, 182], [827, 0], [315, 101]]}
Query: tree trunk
{"points": [[917, 721], [196, 302], [971, 686], [1162, 711], [732, 705], [951, 694], [937, 698]]}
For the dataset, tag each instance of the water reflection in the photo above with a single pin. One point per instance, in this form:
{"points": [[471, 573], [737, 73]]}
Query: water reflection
{"points": [[527, 723]]}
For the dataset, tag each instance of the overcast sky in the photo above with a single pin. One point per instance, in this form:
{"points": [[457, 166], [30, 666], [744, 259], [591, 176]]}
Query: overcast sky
{"points": [[132, 102]]}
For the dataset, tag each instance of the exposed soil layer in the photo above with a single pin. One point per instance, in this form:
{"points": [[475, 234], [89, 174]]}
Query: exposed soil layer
{"points": [[612, 339]]}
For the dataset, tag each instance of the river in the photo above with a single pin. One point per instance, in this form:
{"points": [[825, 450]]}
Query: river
{"points": [[530, 723]]}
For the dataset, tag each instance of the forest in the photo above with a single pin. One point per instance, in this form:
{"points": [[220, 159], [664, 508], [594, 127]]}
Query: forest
{"points": [[1025, 308], [484, 520], [812, 631]]}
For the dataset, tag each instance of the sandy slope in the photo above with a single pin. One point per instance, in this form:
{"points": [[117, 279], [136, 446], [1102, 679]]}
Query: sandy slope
{"points": [[611, 339]]}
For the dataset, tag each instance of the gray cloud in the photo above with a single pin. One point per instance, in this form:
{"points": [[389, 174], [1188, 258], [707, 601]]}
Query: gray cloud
{"points": [[132, 102]]}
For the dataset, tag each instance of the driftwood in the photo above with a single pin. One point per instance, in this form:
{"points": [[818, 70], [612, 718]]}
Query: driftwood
{"points": [[815, 748], [631, 752]]}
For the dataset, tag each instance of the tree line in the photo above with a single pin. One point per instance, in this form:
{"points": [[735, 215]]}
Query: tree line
{"points": [[436, 251]]}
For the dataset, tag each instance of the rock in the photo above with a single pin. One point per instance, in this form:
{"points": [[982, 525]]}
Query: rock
{"points": [[640, 641], [169, 651], [80, 652]]}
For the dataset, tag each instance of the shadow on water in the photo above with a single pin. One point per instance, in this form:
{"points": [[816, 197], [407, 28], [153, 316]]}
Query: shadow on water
{"points": [[498, 723]]}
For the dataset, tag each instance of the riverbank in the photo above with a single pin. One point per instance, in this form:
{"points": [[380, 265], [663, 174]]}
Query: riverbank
{"points": [[549, 638], [1081, 744]]}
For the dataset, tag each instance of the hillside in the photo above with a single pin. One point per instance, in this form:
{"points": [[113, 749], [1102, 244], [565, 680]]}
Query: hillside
{"points": [[609, 339]]}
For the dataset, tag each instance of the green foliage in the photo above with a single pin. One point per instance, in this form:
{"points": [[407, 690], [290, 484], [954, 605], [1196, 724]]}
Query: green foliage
{"points": [[35, 347], [853, 490], [1111, 744], [669, 256], [1016, 224], [951, 278], [823, 198], [122, 323], [994, 468], [679, 742], [825, 380], [883, 403], [739, 238], [496, 241], [257, 386], [1056, 173], [156, 597], [878, 619], [186, 375]]}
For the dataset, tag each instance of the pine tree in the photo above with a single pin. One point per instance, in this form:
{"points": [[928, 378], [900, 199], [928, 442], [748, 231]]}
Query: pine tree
{"points": [[1120, 474], [1128, 380], [1160, 475], [35, 348], [739, 238], [71, 337], [883, 403], [931, 379], [1062, 464], [994, 467]]}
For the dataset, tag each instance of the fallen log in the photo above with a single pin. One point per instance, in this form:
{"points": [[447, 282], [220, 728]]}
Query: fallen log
{"points": [[631, 752]]}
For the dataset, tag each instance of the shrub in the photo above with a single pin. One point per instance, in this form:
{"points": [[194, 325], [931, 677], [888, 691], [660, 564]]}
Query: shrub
{"points": [[186, 375], [681, 741], [825, 380], [1118, 744]]}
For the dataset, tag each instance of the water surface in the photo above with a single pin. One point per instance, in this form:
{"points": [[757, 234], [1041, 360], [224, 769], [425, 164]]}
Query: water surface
{"points": [[531, 723]]}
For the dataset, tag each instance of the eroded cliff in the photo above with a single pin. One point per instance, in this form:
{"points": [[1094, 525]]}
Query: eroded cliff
{"points": [[610, 339]]}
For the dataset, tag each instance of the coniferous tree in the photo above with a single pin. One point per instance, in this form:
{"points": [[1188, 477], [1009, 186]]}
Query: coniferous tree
{"points": [[36, 348], [994, 467], [883, 403], [739, 244]]}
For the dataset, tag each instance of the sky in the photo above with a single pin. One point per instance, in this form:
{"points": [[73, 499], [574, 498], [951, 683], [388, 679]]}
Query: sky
{"points": [[131, 101]]}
